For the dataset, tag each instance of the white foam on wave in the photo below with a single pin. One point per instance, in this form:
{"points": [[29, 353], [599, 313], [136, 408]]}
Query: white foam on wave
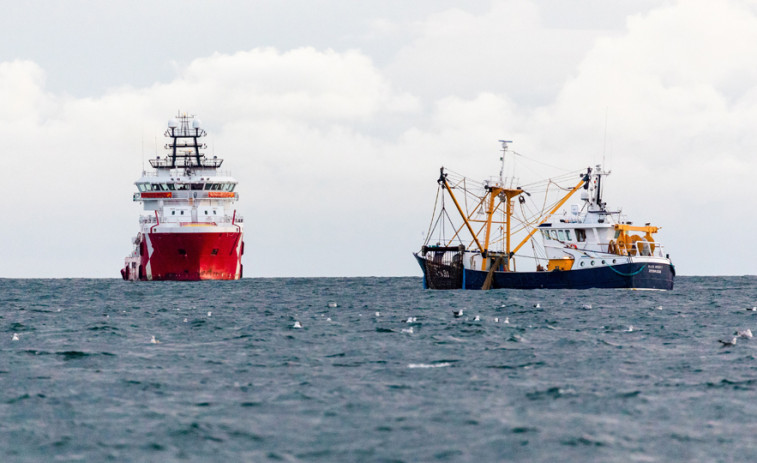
{"points": [[429, 365]]}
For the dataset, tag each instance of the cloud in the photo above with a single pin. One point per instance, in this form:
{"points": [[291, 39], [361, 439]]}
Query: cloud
{"points": [[337, 157]]}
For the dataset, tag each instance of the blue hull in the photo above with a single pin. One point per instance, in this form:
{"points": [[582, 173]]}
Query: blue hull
{"points": [[632, 276]]}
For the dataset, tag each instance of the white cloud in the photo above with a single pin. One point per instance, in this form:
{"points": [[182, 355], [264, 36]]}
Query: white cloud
{"points": [[337, 158]]}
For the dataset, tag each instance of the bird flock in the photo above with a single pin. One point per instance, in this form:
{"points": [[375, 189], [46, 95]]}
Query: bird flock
{"points": [[743, 334]]}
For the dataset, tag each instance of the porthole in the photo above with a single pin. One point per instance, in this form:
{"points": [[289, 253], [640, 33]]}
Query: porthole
{"points": [[592, 263], [583, 263], [614, 261], [604, 263]]}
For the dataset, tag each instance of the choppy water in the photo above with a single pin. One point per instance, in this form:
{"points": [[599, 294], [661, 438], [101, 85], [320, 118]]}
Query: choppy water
{"points": [[231, 379]]}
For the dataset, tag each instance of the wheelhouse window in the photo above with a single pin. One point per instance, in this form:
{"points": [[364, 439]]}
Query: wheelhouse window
{"points": [[561, 235], [553, 234], [567, 235], [580, 235]]}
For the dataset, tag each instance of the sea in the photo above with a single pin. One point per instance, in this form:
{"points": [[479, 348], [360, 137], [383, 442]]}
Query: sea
{"points": [[375, 370]]}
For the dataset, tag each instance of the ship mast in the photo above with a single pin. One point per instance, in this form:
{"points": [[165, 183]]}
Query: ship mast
{"points": [[184, 146], [505, 195]]}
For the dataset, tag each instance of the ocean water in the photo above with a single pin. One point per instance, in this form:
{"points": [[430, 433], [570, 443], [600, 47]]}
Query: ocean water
{"points": [[540, 376]]}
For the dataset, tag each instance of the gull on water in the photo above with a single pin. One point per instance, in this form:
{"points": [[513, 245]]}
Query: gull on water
{"points": [[297, 324], [507, 320], [458, 313], [537, 306], [747, 333], [210, 313], [411, 319], [185, 320], [476, 318], [730, 343], [15, 337], [586, 306], [630, 328], [408, 330], [496, 319], [333, 304], [328, 319], [751, 309], [378, 314], [154, 341]]}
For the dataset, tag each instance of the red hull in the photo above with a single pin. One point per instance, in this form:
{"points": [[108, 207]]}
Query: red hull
{"points": [[191, 256]]}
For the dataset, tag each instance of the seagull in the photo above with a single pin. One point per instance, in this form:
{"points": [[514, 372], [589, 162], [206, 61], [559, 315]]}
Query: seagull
{"points": [[747, 333], [210, 313], [297, 324], [328, 319], [630, 328], [753, 309], [476, 318], [659, 307], [537, 306], [378, 314], [185, 320], [507, 320], [333, 304], [411, 319], [154, 341], [586, 306], [458, 313], [496, 319], [15, 337], [730, 343], [408, 330]]}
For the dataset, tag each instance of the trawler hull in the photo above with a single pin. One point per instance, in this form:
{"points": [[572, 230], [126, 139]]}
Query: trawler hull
{"points": [[634, 275], [188, 257]]}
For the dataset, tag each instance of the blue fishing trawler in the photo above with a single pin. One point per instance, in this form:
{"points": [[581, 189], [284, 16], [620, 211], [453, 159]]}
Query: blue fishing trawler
{"points": [[479, 244]]}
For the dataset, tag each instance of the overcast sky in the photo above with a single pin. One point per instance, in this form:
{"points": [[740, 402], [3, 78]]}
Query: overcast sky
{"points": [[336, 115]]}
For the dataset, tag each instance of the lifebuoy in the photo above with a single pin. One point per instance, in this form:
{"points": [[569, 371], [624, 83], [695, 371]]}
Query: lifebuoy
{"points": [[573, 246]]}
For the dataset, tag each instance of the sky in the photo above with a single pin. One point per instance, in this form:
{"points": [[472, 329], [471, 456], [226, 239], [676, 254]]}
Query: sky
{"points": [[335, 117]]}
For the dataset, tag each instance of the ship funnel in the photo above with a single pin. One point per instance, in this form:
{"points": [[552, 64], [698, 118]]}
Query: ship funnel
{"points": [[172, 123]]}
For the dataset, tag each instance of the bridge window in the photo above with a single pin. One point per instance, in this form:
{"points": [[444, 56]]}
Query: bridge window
{"points": [[581, 235], [561, 235], [567, 234]]}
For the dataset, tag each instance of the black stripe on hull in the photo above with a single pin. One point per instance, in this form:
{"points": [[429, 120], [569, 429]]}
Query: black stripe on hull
{"points": [[637, 275]]}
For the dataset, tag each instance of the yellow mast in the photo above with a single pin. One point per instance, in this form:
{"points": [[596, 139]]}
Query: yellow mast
{"points": [[443, 181]]}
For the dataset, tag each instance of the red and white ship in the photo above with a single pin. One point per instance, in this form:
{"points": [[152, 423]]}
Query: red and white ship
{"points": [[190, 229]]}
